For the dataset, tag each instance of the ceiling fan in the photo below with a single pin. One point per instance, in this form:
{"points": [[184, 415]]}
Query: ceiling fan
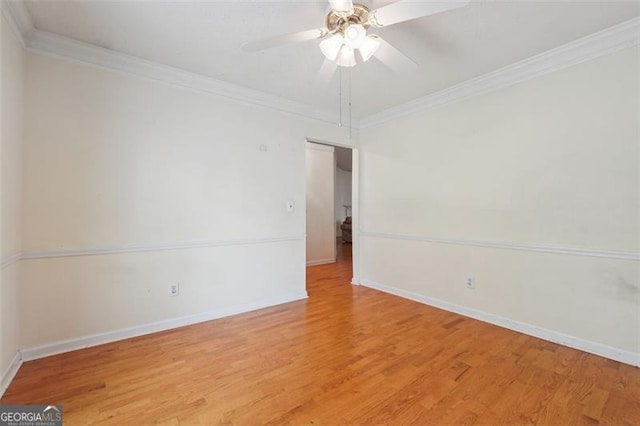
{"points": [[345, 31]]}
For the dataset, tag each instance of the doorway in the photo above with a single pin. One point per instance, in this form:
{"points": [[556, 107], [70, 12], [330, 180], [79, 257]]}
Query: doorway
{"points": [[332, 206]]}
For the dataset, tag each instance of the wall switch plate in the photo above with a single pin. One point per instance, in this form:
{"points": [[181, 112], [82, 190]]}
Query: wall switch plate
{"points": [[291, 206], [470, 283], [174, 289]]}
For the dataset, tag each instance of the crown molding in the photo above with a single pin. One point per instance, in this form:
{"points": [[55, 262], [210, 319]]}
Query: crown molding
{"points": [[613, 39], [18, 18], [50, 44], [610, 40], [58, 46]]}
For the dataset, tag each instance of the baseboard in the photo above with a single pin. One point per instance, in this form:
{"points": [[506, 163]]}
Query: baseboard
{"points": [[113, 336], [355, 281], [621, 355], [320, 262], [10, 373]]}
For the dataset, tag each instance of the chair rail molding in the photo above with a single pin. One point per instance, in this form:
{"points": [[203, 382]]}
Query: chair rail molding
{"points": [[96, 251], [570, 251], [7, 261]]}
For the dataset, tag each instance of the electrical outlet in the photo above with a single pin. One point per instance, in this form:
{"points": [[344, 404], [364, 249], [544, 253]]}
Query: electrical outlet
{"points": [[174, 289], [470, 283]]}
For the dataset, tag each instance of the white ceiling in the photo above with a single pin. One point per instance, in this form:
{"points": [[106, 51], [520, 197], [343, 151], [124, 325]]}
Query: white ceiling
{"points": [[206, 37]]}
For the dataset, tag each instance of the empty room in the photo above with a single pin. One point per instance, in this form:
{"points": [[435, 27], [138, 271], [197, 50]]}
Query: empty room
{"points": [[320, 212]]}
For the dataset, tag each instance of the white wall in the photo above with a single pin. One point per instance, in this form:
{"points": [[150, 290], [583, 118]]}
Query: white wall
{"points": [[115, 163], [342, 196], [550, 162], [320, 190], [12, 86]]}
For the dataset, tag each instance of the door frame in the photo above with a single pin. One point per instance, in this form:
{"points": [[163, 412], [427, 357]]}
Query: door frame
{"points": [[355, 204]]}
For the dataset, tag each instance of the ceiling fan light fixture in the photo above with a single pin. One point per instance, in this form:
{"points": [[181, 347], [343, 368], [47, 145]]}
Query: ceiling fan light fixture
{"points": [[368, 47], [330, 47], [346, 57]]}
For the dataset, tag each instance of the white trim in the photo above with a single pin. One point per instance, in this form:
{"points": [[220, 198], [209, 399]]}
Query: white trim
{"points": [[62, 47], [10, 373], [51, 254], [621, 355], [10, 260], [320, 262], [333, 144], [355, 281], [154, 327], [58, 46], [613, 39], [570, 251], [18, 18], [355, 213], [618, 37], [47, 254], [320, 147]]}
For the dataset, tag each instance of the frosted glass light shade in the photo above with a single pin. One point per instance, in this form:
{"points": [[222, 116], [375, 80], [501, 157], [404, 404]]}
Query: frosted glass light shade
{"points": [[346, 57], [330, 47], [354, 35], [368, 47]]}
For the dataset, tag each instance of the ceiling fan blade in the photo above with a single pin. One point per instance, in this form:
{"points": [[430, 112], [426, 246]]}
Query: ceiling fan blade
{"points": [[342, 6], [268, 43], [407, 10], [393, 58], [326, 72]]}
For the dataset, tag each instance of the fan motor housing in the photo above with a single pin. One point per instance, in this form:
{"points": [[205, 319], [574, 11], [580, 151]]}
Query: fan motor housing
{"points": [[337, 21]]}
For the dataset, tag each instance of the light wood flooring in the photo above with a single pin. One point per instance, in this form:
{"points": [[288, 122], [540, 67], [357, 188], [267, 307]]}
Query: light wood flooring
{"points": [[347, 355]]}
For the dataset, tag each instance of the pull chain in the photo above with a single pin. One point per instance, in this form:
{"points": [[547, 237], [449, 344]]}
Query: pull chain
{"points": [[348, 83], [340, 99], [349, 103]]}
